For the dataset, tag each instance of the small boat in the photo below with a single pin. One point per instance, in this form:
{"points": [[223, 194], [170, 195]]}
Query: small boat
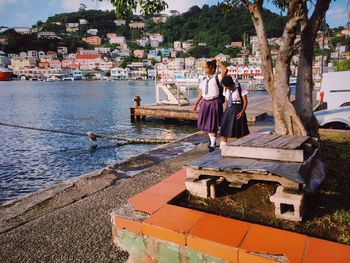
{"points": [[256, 86], [5, 73], [69, 78]]}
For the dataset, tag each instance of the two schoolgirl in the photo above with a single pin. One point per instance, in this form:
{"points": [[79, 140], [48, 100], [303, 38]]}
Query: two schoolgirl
{"points": [[232, 121]]}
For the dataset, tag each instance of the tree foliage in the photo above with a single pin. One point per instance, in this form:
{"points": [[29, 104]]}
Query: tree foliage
{"points": [[343, 65], [213, 26]]}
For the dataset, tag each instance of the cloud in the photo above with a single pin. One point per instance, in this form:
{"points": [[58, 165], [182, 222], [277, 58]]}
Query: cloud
{"points": [[337, 12], [73, 5], [179, 5], [337, 15], [184, 5], [4, 3]]}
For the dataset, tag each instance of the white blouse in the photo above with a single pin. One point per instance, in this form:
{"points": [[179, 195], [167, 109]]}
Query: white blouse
{"points": [[235, 94], [213, 89]]}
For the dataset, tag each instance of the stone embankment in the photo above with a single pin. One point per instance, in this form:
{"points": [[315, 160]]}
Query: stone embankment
{"points": [[70, 222]]}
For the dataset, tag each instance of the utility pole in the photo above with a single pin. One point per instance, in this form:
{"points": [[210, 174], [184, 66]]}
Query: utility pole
{"points": [[324, 29]]}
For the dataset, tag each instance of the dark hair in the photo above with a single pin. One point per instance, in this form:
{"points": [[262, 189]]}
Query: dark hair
{"points": [[227, 81], [211, 64]]}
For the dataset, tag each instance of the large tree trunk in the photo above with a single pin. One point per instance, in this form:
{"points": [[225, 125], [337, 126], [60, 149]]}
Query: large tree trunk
{"points": [[287, 120], [303, 99]]}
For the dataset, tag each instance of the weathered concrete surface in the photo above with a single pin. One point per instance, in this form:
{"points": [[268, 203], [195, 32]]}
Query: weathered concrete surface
{"points": [[71, 221]]}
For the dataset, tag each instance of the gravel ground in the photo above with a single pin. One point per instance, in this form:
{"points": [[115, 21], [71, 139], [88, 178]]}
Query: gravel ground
{"points": [[81, 230]]}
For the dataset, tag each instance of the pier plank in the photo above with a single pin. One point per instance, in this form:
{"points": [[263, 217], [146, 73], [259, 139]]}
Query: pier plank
{"points": [[280, 142], [260, 141], [245, 139], [297, 142], [263, 153]]}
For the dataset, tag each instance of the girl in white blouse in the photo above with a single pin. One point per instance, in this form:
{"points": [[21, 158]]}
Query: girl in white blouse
{"points": [[210, 107]]}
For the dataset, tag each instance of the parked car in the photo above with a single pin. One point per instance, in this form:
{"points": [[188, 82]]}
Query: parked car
{"points": [[334, 91], [334, 119]]}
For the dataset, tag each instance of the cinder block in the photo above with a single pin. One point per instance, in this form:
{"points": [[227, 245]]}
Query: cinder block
{"points": [[199, 187], [287, 205]]}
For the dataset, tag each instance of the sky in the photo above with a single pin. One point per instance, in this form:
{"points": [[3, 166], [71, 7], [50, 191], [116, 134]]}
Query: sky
{"points": [[25, 13]]}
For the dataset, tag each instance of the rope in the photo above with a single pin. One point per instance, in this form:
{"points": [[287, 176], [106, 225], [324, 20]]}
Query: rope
{"points": [[93, 136]]}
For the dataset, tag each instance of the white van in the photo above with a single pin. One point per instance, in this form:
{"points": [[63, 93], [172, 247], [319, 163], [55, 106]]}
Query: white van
{"points": [[334, 91]]}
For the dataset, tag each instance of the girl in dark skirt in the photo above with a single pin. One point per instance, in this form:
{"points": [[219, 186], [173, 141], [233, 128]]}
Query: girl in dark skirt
{"points": [[234, 120]]}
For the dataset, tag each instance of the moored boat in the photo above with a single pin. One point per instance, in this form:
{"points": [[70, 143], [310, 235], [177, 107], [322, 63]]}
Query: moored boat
{"points": [[5, 73]]}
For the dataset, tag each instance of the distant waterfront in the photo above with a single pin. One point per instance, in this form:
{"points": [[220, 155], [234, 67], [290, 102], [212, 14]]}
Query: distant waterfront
{"points": [[32, 160]]}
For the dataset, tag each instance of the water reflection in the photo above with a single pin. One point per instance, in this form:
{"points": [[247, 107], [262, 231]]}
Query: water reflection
{"points": [[32, 160]]}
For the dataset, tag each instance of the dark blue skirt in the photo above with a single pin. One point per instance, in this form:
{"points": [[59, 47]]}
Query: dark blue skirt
{"points": [[230, 126], [209, 115]]}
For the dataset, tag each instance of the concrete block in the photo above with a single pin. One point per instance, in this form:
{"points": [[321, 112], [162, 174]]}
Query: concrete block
{"points": [[199, 187], [288, 206]]}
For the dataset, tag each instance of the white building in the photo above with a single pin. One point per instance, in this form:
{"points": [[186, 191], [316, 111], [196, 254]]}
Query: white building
{"points": [[254, 60], [177, 46], [159, 19], [189, 63], [142, 41], [119, 22], [119, 73], [103, 50], [176, 64], [117, 40], [187, 45], [47, 35], [92, 31], [156, 37], [155, 43], [137, 25], [19, 63], [83, 21], [104, 65], [222, 57], [23, 30], [72, 27], [41, 54], [237, 61], [32, 54], [62, 50]]}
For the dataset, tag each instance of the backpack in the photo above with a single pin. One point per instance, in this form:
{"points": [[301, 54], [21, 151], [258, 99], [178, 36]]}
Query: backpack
{"points": [[221, 90]]}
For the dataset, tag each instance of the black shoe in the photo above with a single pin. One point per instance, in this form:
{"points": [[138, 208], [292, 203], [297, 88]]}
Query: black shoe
{"points": [[211, 149]]}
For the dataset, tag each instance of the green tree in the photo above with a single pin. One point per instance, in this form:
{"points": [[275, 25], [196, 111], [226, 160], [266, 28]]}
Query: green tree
{"points": [[343, 65]]}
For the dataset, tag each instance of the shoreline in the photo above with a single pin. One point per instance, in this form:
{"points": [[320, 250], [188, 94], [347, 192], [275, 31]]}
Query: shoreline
{"points": [[73, 224]]}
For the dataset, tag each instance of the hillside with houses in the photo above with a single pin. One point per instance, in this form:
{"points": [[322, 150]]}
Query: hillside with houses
{"points": [[94, 44]]}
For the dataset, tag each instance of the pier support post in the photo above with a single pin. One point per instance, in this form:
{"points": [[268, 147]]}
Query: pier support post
{"points": [[137, 103]]}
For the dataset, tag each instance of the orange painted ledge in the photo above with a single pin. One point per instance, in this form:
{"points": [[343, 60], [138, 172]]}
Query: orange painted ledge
{"points": [[229, 239], [171, 223]]}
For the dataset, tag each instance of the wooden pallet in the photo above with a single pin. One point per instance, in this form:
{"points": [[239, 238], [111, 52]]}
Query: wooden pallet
{"points": [[268, 147], [257, 156]]}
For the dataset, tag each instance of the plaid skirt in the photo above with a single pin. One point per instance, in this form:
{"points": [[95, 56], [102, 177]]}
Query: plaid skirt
{"points": [[230, 126], [209, 115]]}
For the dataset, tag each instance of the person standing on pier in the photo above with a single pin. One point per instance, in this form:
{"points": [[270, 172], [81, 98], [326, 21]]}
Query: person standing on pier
{"points": [[210, 107], [234, 120]]}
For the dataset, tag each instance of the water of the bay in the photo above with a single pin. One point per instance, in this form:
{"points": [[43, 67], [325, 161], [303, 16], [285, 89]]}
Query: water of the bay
{"points": [[31, 160]]}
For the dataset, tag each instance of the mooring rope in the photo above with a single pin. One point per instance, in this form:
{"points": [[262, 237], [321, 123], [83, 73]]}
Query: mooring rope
{"points": [[93, 136]]}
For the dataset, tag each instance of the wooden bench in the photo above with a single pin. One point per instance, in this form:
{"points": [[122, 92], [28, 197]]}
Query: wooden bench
{"points": [[262, 157]]}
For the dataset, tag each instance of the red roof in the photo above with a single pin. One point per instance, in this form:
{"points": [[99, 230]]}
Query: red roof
{"points": [[86, 56]]}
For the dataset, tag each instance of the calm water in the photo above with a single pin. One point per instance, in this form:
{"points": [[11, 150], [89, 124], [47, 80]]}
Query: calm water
{"points": [[32, 160]]}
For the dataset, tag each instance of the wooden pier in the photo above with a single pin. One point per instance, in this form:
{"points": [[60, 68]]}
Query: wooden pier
{"points": [[258, 108]]}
